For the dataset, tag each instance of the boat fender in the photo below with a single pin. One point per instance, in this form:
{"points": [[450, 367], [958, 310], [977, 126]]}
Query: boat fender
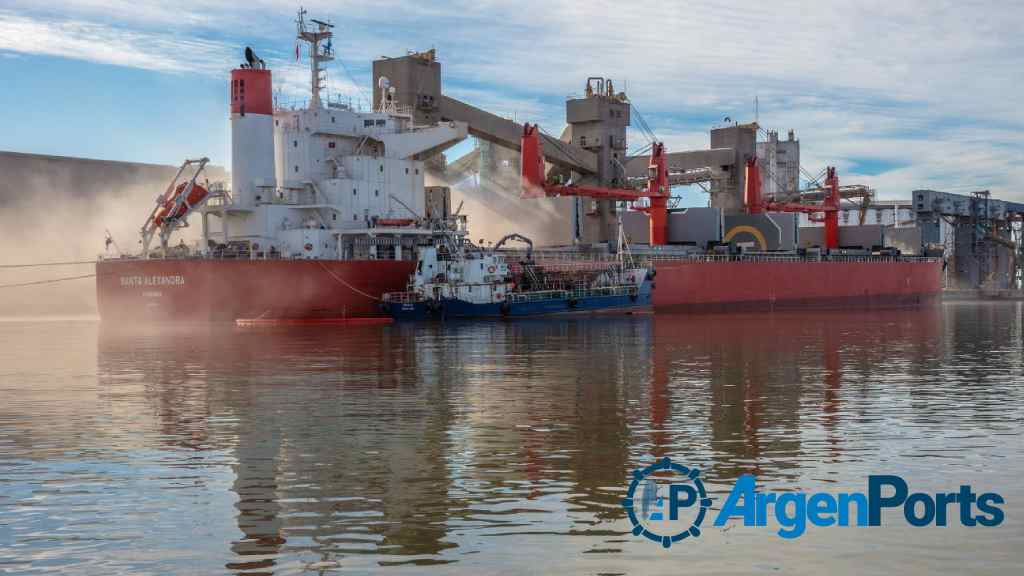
{"points": [[308, 247], [491, 269]]}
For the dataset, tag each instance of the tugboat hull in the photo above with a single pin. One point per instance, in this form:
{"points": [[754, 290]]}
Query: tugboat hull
{"points": [[450, 309]]}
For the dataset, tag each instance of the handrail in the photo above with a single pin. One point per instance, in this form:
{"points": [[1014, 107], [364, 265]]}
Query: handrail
{"points": [[402, 297], [541, 256], [569, 258]]}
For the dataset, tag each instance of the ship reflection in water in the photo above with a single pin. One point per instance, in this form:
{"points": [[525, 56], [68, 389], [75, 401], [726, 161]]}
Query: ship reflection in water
{"points": [[487, 447]]}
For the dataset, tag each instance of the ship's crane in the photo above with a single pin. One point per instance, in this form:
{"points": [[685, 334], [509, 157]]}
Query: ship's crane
{"points": [[518, 237], [657, 191], [828, 209], [181, 198]]}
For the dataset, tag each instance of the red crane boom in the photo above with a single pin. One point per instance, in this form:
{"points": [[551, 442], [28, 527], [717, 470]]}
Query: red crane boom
{"points": [[534, 184], [829, 207]]}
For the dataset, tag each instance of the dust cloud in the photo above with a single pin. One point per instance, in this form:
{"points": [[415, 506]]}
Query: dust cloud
{"points": [[494, 209], [55, 209], [58, 209]]}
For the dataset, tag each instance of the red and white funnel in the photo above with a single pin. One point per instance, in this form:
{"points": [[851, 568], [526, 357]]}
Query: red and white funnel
{"points": [[252, 131]]}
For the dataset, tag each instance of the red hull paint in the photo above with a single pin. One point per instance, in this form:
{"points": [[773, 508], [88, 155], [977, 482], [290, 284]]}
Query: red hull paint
{"points": [[225, 290], [740, 285]]}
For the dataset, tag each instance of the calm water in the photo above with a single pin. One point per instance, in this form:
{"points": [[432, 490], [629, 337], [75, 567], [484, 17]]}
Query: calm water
{"points": [[498, 448]]}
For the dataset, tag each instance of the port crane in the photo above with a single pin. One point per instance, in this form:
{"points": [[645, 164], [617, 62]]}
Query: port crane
{"points": [[534, 184], [827, 211]]}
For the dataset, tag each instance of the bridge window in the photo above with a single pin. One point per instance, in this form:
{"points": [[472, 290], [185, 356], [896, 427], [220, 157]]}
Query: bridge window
{"points": [[367, 123]]}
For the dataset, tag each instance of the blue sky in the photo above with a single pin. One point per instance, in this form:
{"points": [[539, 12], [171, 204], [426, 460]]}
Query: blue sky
{"points": [[898, 95]]}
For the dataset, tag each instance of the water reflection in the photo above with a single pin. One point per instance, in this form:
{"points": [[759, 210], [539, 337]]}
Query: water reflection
{"points": [[458, 446]]}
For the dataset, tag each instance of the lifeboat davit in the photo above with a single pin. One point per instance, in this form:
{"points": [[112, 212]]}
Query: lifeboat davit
{"points": [[196, 196]]}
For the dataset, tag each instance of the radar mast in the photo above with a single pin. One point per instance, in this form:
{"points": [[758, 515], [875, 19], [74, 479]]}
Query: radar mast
{"points": [[319, 51]]}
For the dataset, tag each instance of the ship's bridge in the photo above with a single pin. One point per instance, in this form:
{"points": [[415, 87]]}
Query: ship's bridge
{"points": [[374, 133]]}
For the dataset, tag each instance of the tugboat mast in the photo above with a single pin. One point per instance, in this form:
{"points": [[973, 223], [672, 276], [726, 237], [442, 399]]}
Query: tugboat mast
{"points": [[318, 52]]}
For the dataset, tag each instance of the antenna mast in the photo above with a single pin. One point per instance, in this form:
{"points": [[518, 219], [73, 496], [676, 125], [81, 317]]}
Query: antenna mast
{"points": [[319, 52]]}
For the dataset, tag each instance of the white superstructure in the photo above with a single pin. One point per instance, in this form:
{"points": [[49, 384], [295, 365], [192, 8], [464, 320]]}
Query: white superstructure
{"points": [[324, 181]]}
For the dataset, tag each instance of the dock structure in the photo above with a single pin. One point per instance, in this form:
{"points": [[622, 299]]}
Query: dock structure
{"points": [[981, 236]]}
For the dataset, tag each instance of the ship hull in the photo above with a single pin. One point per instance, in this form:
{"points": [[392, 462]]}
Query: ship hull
{"points": [[197, 290], [453, 309], [745, 285]]}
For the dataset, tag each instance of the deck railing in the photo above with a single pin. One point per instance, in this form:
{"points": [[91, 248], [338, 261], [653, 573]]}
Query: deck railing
{"points": [[538, 295], [402, 297], [565, 260], [546, 256]]}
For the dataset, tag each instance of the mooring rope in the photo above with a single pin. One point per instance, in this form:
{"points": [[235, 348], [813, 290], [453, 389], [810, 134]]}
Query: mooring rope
{"points": [[42, 264], [50, 281], [346, 284]]}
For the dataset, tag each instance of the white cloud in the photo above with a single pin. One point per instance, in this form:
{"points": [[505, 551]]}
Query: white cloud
{"points": [[928, 86], [105, 44]]}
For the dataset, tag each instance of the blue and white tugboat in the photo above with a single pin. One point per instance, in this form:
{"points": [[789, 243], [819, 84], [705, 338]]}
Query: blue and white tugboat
{"points": [[456, 279]]}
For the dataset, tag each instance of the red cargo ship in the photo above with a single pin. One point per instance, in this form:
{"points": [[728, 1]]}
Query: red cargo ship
{"points": [[225, 290], [327, 209]]}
